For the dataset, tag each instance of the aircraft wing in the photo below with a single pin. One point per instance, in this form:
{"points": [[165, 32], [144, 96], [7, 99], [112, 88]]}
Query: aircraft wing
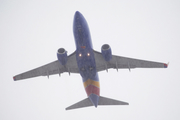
{"points": [[51, 68], [119, 62]]}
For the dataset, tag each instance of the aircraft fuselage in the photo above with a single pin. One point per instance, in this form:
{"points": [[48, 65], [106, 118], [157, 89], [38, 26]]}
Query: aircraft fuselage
{"points": [[85, 58], [88, 62]]}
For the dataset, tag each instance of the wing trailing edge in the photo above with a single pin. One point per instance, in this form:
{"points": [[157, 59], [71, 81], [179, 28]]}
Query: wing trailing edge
{"points": [[102, 101]]}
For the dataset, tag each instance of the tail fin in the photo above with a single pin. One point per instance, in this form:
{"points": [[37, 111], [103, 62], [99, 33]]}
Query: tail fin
{"points": [[102, 101]]}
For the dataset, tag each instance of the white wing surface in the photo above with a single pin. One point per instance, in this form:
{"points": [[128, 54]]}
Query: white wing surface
{"points": [[119, 62], [51, 68]]}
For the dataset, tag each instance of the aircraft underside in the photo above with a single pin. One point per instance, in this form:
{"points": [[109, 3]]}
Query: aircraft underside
{"points": [[88, 62]]}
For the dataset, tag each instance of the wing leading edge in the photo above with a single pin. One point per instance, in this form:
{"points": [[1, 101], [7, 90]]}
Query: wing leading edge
{"points": [[51, 69], [119, 62]]}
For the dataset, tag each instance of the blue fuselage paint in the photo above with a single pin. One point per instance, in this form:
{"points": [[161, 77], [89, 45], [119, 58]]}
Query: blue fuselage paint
{"points": [[84, 49]]}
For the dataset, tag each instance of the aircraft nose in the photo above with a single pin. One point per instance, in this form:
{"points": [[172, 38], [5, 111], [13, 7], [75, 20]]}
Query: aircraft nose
{"points": [[94, 99], [77, 14]]}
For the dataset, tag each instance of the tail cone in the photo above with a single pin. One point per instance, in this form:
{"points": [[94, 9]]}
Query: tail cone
{"points": [[94, 99]]}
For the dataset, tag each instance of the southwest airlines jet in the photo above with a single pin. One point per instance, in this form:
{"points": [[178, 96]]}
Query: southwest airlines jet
{"points": [[88, 62]]}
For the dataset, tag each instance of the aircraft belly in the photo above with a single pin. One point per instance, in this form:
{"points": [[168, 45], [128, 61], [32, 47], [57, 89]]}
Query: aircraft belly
{"points": [[85, 58], [92, 90], [90, 81], [92, 86]]}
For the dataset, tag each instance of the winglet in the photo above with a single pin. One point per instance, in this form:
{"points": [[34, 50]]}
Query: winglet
{"points": [[14, 78], [166, 65]]}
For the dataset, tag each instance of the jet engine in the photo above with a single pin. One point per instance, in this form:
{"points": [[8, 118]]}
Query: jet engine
{"points": [[106, 52], [62, 56]]}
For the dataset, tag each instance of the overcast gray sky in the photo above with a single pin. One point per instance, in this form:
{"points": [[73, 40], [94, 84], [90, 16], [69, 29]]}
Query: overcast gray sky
{"points": [[32, 31]]}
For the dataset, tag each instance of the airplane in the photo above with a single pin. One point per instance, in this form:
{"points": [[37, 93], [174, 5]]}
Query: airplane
{"points": [[87, 62]]}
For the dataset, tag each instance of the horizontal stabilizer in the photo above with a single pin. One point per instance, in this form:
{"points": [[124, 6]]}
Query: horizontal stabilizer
{"points": [[102, 101], [108, 101], [84, 103]]}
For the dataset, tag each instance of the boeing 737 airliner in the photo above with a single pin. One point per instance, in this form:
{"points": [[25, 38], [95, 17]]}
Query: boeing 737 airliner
{"points": [[88, 62]]}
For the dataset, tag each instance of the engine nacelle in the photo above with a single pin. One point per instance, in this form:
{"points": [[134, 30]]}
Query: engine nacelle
{"points": [[106, 52], [62, 56]]}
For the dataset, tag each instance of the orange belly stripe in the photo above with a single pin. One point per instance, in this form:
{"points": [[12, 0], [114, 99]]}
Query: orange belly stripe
{"points": [[91, 82]]}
